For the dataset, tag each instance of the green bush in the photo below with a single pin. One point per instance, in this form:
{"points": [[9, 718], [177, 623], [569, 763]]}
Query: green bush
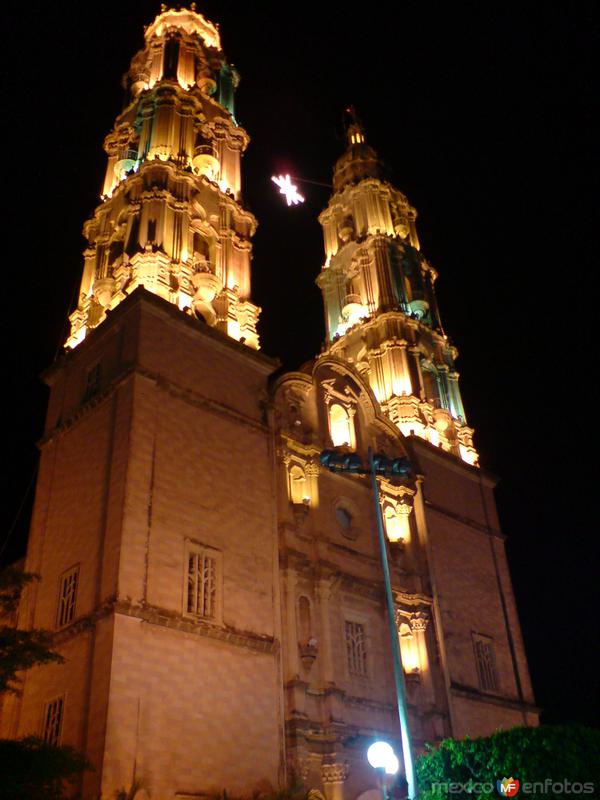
{"points": [[556, 753]]}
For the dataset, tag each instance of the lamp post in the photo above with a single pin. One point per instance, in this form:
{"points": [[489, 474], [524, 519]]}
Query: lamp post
{"points": [[399, 467]]}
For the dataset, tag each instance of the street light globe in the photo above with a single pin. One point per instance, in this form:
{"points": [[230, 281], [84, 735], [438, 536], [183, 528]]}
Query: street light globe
{"points": [[393, 765], [381, 756]]}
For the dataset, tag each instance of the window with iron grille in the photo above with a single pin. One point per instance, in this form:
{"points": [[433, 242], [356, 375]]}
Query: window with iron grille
{"points": [[202, 588], [53, 717], [356, 649], [67, 597], [485, 662]]}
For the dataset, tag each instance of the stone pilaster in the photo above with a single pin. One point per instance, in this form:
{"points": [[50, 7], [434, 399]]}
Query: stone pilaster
{"points": [[334, 773]]}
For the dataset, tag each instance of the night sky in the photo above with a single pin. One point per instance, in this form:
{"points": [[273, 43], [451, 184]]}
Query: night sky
{"points": [[484, 114]]}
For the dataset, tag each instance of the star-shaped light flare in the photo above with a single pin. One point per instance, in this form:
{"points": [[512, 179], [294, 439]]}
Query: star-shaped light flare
{"points": [[288, 189]]}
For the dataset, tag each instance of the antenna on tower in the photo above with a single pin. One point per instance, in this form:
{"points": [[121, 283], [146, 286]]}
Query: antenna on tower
{"points": [[350, 117]]}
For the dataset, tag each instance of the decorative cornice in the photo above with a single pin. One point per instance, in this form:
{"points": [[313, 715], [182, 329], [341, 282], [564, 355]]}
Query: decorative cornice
{"points": [[165, 618], [470, 693], [186, 395], [161, 617]]}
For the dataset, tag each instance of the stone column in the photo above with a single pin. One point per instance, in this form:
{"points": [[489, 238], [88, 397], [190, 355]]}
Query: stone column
{"points": [[323, 594], [420, 389], [334, 774], [312, 477], [382, 270], [406, 379], [418, 624], [290, 596], [456, 399]]}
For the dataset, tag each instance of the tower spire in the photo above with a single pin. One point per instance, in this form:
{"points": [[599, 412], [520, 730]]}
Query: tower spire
{"points": [[171, 217], [359, 160], [380, 303], [354, 130]]}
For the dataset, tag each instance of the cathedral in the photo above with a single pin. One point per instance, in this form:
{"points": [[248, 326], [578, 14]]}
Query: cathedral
{"points": [[216, 591]]}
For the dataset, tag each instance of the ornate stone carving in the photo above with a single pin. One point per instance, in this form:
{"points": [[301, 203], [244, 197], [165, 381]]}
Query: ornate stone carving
{"points": [[419, 621], [308, 653], [335, 771]]}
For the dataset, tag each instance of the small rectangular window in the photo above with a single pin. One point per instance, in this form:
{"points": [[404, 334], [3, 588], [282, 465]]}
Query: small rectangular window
{"points": [[202, 582], [67, 597], [53, 717], [92, 381], [356, 649], [485, 661]]}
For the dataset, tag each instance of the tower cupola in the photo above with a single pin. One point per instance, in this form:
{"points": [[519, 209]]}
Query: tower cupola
{"points": [[359, 160]]}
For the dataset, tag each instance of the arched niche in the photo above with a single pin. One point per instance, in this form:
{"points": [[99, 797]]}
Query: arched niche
{"points": [[341, 426], [396, 524], [305, 628], [298, 491]]}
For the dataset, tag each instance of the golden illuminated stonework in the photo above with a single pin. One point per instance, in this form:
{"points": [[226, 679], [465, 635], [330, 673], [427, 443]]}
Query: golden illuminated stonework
{"points": [[380, 305], [171, 217], [215, 589]]}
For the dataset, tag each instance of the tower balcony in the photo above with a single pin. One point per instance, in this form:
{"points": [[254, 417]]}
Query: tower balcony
{"points": [[418, 308], [140, 81], [127, 159], [353, 309], [205, 161]]}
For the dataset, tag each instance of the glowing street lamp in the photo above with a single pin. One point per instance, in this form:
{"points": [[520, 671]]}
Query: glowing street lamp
{"points": [[288, 189], [382, 758]]}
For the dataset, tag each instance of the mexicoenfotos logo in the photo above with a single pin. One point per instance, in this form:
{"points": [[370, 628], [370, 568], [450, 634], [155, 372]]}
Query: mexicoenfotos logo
{"points": [[507, 787]]}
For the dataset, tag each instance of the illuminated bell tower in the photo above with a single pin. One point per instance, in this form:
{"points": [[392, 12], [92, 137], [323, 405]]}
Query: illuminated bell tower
{"points": [[380, 305], [171, 217]]}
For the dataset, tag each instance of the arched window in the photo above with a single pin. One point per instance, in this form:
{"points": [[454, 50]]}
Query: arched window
{"points": [[340, 426], [171, 58], [297, 478]]}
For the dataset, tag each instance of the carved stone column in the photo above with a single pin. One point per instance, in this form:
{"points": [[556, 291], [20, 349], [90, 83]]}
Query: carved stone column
{"points": [[418, 624], [381, 259], [323, 594], [312, 477], [407, 378], [334, 774], [416, 355], [292, 628]]}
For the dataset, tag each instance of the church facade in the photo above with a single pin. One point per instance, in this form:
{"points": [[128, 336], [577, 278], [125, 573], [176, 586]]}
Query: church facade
{"points": [[217, 593]]}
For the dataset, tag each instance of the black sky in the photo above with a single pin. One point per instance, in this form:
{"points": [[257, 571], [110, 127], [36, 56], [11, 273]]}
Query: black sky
{"points": [[485, 114]]}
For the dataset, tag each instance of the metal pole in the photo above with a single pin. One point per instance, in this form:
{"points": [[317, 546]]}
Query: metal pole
{"points": [[409, 767]]}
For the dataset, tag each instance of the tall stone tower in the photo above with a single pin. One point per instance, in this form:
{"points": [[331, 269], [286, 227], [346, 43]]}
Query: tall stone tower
{"points": [[216, 593], [171, 217], [380, 307], [154, 527], [386, 379]]}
